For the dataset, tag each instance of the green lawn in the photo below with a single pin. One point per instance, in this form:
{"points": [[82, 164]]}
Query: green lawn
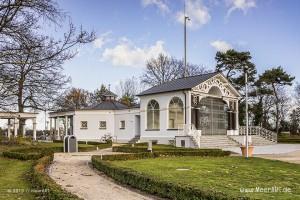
{"points": [[13, 184], [223, 174]]}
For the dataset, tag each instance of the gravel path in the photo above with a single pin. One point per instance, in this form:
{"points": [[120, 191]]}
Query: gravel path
{"points": [[73, 173]]}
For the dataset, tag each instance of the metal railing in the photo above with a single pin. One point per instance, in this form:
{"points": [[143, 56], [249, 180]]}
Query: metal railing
{"points": [[260, 131], [190, 130]]}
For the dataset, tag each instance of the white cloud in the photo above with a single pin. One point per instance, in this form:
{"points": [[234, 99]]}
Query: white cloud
{"points": [[160, 4], [128, 54], [101, 40], [220, 45], [243, 5], [197, 12]]}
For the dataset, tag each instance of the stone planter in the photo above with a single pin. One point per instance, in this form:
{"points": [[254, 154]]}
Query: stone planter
{"points": [[250, 150]]}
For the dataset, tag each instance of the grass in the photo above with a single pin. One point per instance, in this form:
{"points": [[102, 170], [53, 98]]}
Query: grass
{"points": [[226, 174], [157, 147], [292, 139], [154, 146], [13, 184]]}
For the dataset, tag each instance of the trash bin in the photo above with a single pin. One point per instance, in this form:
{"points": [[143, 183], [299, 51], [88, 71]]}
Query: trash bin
{"points": [[70, 144]]}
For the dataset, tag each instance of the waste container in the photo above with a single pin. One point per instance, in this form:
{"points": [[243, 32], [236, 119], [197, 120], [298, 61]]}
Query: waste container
{"points": [[70, 144]]}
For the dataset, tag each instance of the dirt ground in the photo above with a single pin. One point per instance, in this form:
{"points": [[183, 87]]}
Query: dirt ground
{"points": [[73, 173]]}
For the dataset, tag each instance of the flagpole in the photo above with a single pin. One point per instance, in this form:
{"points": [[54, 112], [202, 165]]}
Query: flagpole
{"points": [[185, 62], [247, 117]]}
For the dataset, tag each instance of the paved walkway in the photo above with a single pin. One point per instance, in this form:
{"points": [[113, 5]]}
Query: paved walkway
{"points": [[284, 152], [74, 174], [291, 157]]}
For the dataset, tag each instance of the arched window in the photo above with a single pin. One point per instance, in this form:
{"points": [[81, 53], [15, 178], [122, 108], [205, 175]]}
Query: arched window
{"points": [[175, 113], [153, 115]]}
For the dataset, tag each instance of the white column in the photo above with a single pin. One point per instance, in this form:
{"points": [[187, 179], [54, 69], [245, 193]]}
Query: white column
{"points": [[24, 129], [188, 108], [237, 115], [34, 128], [8, 128], [50, 126], [57, 128], [15, 127], [50, 123], [66, 125]]}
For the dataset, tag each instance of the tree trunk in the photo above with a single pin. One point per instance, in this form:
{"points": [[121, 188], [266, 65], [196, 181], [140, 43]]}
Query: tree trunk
{"points": [[21, 106], [277, 109]]}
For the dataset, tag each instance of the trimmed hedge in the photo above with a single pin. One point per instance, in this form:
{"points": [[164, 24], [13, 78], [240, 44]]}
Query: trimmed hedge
{"points": [[32, 153], [157, 187], [140, 149], [82, 142], [126, 149], [41, 181], [22, 156], [143, 155], [288, 140]]}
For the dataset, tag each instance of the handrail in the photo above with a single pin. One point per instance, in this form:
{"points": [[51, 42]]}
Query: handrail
{"points": [[260, 131]]}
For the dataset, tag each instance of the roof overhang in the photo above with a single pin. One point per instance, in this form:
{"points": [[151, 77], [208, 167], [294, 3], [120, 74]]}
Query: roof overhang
{"points": [[18, 115]]}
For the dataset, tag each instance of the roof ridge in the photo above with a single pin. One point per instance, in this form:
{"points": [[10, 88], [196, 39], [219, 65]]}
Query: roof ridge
{"points": [[215, 72], [183, 78], [179, 83]]}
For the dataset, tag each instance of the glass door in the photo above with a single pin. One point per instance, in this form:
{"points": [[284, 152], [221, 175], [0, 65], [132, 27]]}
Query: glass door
{"points": [[212, 118]]}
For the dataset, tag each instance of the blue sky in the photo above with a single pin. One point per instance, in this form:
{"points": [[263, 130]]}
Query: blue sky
{"points": [[130, 32]]}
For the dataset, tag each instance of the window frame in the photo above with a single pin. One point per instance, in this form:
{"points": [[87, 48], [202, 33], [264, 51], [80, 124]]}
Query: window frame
{"points": [[178, 101], [153, 111], [83, 127], [122, 122], [102, 128]]}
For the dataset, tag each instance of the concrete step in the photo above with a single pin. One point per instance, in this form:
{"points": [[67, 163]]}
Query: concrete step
{"points": [[136, 139], [216, 142], [256, 140]]}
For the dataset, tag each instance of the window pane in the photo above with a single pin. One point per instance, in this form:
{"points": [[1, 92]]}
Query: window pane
{"points": [[175, 113], [122, 124], [172, 118], [156, 119], [102, 124], [153, 115], [83, 125]]}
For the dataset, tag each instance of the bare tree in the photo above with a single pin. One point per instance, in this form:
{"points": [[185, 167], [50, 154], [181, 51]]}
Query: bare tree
{"points": [[128, 90], [297, 94], [75, 98], [163, 68], [17, 14], [31, 72]]}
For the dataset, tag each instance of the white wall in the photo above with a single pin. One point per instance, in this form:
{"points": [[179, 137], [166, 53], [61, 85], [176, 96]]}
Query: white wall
{"points": [[128, 115], [163, 135], [93, 117], [188, 141], [112, 118]]}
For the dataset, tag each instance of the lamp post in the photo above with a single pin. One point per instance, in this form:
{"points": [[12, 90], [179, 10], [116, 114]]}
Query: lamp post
{"points": [[246, 101]]}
